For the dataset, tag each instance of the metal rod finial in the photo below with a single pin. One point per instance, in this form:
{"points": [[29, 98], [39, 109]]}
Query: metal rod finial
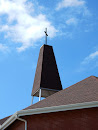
{"points": [[46, 35]]}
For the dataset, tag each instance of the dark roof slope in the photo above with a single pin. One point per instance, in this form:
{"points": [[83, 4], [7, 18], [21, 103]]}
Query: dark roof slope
{"points": [[83, 91], [3, 120]]}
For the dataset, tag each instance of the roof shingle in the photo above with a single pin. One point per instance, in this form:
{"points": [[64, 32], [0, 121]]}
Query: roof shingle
{"points": [[3, 120], [83, 91]]}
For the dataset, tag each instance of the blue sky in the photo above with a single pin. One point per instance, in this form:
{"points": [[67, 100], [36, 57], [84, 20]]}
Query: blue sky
{"points": [[73, 33]]}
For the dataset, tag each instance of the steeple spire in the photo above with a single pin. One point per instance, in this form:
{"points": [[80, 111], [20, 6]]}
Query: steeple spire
{"points": [[47, 80]]}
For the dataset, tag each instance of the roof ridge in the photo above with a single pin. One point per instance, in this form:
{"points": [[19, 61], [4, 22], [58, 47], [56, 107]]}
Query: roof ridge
{"points": [[81, 81], [95, 77]]}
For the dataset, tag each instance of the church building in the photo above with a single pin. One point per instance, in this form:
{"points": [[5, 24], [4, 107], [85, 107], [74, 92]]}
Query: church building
{"points": [[72, 108]]}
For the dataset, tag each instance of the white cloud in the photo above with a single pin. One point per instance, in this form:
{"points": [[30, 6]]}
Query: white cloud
{"points": [[3, 48], [89, 63], [70, 3], [72, 21], [24, 25], [89, 58], [75, 13]]}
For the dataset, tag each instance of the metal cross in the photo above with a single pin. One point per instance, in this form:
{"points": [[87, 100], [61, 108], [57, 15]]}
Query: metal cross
{"points": [[46, 35]]}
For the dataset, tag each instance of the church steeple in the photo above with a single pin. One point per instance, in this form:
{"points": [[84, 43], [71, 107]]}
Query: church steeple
{"points": [[47, 80]]}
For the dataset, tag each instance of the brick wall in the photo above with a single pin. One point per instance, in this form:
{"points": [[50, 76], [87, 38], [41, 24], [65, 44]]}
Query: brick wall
{"points": [[83, 119]]}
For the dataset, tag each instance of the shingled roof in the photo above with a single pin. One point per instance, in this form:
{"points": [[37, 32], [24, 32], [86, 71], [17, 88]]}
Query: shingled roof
{"points": [[83, 91], [3, 120]]}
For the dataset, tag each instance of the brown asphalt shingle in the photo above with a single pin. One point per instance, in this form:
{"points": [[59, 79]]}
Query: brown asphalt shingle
{"points": [[83, 91], [3, 120]]}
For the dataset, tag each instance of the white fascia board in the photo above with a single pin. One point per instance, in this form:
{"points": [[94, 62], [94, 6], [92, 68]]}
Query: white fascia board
{"points": [[58, 108], [8, 124], [48, 110], [9, 121]]}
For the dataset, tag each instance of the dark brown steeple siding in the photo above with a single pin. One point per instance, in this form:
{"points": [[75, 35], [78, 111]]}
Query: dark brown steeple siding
{"points": [[37, 78], [50, 76], [47, 76]]}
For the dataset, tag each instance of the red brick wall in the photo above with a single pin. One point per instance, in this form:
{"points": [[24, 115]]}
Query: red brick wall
{"points": [[83, 119], [17, 125]]}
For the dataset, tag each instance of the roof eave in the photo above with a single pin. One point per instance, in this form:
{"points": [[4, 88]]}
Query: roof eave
{"points": [[48, 110]]}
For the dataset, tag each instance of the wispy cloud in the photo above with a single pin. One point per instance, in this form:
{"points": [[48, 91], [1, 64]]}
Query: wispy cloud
{"points": [[23, 24], [71, 21], [3, 48], [91, 57], [90, 62], [75, 13], [70, 3]]}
